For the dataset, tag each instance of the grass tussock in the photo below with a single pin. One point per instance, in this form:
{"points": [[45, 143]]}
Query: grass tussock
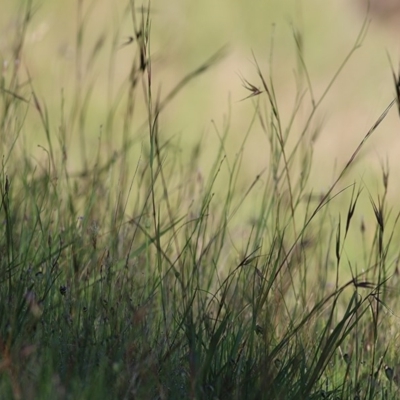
{"points": [[134, 276]]}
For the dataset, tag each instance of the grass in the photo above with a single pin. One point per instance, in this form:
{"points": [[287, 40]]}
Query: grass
{"points": [[125, 272]]}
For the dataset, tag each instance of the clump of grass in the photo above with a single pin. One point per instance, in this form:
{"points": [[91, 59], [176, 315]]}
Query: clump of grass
{"points": [[124, 280]]}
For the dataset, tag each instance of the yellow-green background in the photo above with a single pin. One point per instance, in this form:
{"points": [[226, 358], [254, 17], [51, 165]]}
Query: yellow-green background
{"points": [[185, 33]]}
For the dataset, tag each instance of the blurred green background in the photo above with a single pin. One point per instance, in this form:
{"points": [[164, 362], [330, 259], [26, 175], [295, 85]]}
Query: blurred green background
{"points": [[184, 34]]}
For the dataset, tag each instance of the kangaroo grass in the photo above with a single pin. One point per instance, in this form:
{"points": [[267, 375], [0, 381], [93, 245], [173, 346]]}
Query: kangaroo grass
{"points": [[126, 273]]}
